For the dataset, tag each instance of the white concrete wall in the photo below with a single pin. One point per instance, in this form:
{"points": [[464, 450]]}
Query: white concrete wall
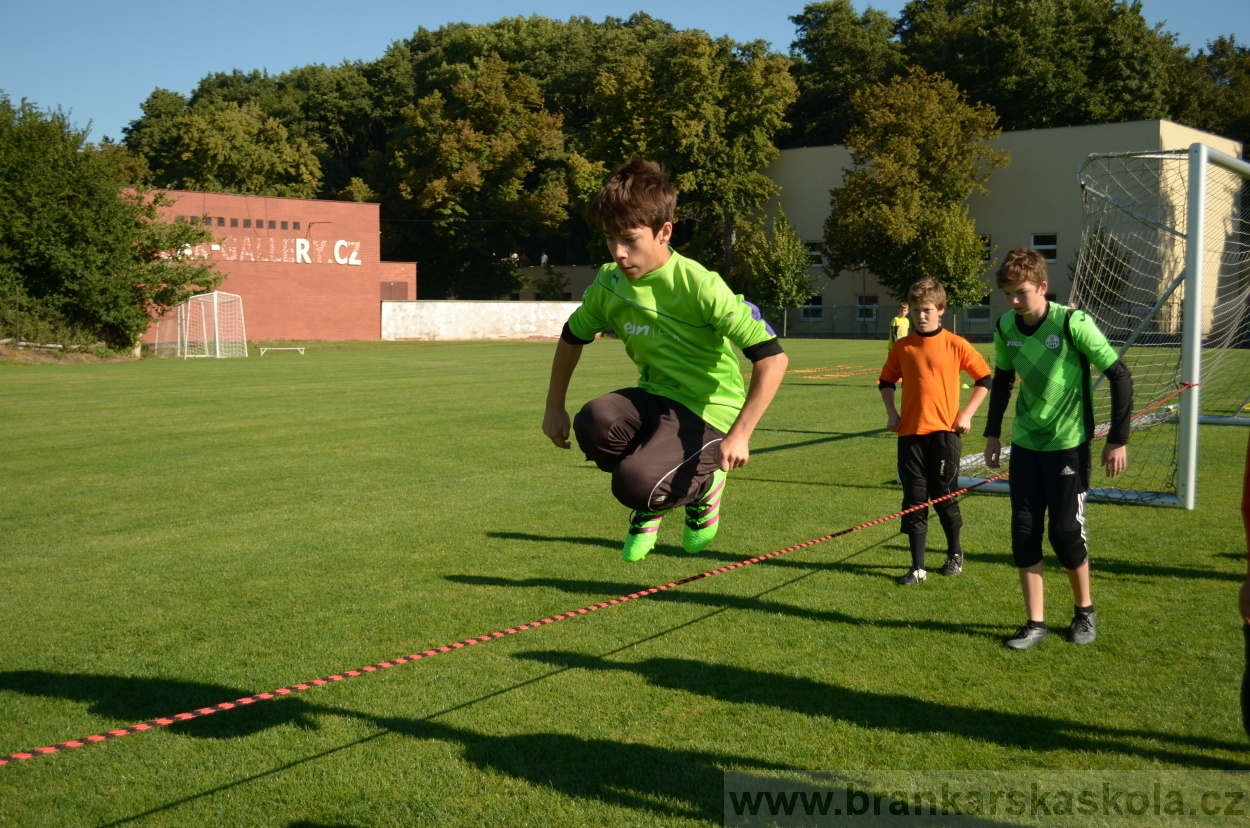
{"points": [[454, 319]]}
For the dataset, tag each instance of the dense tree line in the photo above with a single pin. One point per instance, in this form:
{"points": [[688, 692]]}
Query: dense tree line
{"points": [[83, 259], [482, 141]]}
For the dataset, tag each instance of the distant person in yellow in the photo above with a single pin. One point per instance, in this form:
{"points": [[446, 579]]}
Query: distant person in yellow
{"points": [[900, 325]]}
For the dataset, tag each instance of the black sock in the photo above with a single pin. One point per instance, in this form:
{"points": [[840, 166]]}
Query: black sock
{"points": [[1038, 625], [953, 549], [1085, 610], [917, 542]]}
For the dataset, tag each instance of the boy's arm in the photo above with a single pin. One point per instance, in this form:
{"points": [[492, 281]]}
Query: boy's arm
{"points": [[766, 376], [556, 419], [1000, 395], [974, 365], [887, 384], [1115, 452]]}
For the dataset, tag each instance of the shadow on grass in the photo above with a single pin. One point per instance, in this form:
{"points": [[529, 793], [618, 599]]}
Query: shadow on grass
{"points": [[599, 589], [834, 438], [133, 700], [902, 714], [576, 540]]}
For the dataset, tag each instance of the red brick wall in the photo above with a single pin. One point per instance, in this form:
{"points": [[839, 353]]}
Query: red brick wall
{"points": [[320, 281]]}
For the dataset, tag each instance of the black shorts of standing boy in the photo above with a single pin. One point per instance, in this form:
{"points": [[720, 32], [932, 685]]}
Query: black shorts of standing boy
{"points": [[661, 454], [1055, 482], [928, 467]]}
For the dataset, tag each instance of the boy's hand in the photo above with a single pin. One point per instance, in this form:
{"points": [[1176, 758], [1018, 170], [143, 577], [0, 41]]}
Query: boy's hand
{"points": [[734, 452], [1114, 459], [963, 423], [992, 450], [892, 420], [556, 426]]}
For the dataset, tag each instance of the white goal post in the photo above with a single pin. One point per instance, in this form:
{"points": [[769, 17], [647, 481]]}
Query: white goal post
{"points": [[208, 325], [1164, 268]]}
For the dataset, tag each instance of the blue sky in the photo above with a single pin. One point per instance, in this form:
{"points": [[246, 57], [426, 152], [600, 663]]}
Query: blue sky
{"points": [[101, 60]]}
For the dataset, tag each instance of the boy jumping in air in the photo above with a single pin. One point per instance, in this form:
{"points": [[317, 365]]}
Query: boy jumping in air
{"points": [[1050, 348], [671, 441], [928, 361]]}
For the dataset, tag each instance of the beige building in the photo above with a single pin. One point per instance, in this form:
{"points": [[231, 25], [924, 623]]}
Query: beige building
{"points": [[1034, 201]]}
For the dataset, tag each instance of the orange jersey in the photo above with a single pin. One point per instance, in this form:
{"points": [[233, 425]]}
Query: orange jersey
{"points": [[929, 367]]}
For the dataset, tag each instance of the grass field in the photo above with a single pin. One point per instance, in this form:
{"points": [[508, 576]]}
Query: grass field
{"points": [[178, 534]]}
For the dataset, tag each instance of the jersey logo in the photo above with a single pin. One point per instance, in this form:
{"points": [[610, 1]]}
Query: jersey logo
{"points": [[1052, 341], [1011, 343], [637, 330]]}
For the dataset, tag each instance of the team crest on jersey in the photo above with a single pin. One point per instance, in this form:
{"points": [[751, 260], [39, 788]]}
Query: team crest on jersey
{"points": [[1052, 341]]}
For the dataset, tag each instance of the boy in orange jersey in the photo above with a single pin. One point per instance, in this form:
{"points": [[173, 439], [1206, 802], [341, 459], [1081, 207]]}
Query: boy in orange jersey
{"points": [[928, 361]]}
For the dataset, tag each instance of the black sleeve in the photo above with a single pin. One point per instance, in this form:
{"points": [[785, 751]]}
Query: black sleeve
{"points": [[985, 382], [883, 384], [1121, 401], [767, 348], [568, 337], [1000, 395]]}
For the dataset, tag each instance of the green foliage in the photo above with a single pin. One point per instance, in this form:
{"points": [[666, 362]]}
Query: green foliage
{"points": [[1211, 90], [475, 172], [1043, 63], [777, 266], [919, 151], [836, 53], [80, 259], [553, 286]]}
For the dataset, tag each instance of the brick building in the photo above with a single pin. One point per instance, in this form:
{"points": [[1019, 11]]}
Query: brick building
{"points": [[306, 269]]}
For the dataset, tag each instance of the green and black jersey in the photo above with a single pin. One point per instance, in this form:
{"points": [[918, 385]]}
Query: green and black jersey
{"points": [[677, 324], [1054, 410]]}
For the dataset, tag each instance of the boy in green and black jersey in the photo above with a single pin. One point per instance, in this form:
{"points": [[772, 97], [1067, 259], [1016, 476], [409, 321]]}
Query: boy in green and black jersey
{"points": [[1050, 349]]}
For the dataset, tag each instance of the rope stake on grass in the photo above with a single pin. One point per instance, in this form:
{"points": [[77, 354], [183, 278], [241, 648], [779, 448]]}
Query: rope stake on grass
{"points": [[166, 721]]}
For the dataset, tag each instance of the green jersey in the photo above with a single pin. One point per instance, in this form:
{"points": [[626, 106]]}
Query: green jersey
{"points": [[1054, 409], [677, 323]]}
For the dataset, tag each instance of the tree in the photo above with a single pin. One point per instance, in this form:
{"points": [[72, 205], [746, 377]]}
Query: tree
{"points": [[472, 173], [777, 266], [708, 110], [836, 52], [919, 150], [85, 259], [1043, 63]]}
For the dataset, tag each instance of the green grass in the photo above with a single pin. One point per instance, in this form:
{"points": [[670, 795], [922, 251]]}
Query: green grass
{"points": [[176, 534]]}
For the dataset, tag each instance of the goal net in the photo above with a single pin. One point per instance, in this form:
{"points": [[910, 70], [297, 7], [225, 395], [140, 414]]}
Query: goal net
{"points": [[208, 325], [1164, 268]]}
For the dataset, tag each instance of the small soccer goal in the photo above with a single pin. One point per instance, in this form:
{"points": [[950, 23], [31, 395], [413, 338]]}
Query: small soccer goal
{"points": [[209, 325], [1164, 268]]}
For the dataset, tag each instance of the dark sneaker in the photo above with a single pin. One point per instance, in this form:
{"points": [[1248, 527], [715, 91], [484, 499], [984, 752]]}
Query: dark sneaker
{"points": [[954, 566], [913, 576], [1026, 637], [640, 539], [1084, 628]]}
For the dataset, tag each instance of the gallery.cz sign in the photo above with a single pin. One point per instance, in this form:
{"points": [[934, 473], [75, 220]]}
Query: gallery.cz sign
{"points": [[295, 251]]}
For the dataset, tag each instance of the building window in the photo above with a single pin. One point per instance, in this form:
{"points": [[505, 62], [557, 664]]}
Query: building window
{"points": [[865, 308], [814, 309], [816, 253], [987, 251], [247, 222], [1047, 244], [979, 312], [284, 225], [234, 222], [221, 221], [295, 225], [271, 224]]}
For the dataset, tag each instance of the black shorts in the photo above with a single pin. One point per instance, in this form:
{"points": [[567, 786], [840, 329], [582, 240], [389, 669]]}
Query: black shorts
{"points": [[1055, 482], [928, 467], [660, 453]]}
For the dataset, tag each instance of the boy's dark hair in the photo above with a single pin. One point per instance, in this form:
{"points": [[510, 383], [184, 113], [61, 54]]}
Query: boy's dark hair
{"points": [[927, 290], [639, 194], [1023, 264]]}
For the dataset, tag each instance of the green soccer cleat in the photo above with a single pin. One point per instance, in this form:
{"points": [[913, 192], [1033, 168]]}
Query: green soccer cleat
{"points": [[703, 516], [640, 539]]}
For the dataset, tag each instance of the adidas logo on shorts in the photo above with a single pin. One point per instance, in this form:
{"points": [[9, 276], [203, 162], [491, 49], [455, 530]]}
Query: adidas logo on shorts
{"points": [[1067, 470]]}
